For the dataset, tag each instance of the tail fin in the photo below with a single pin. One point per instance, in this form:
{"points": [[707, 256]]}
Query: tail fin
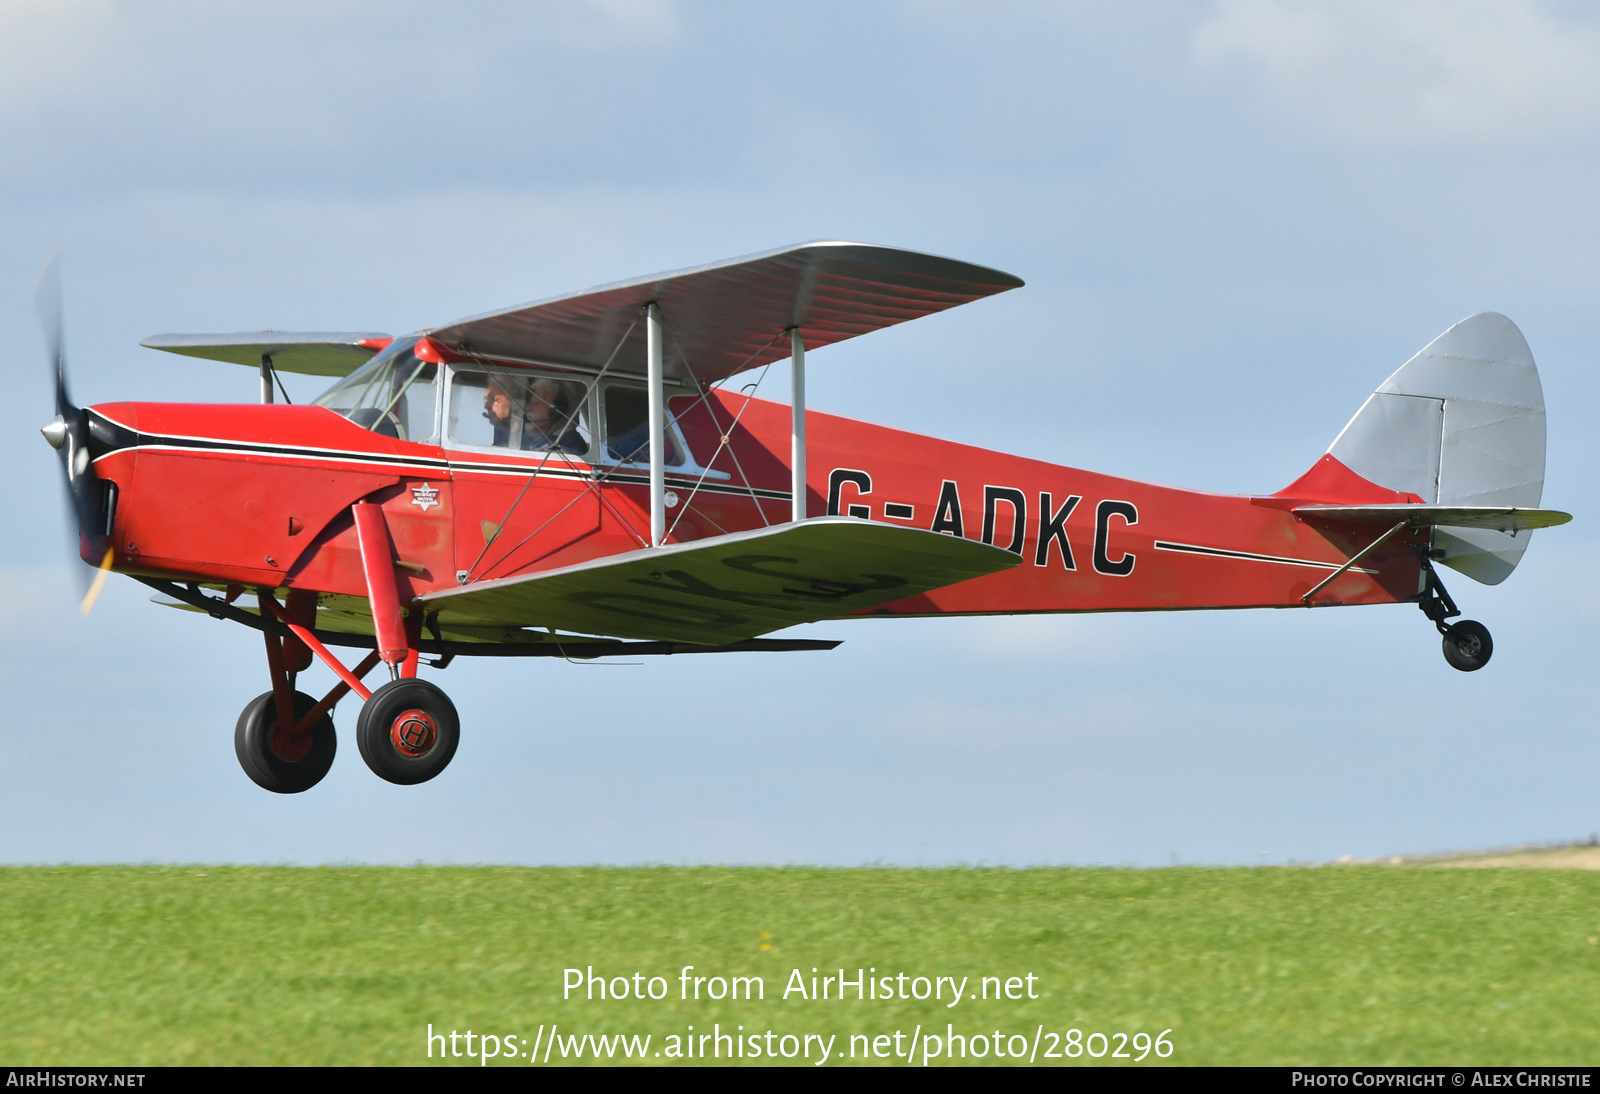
{"points": [[1461, 423]]}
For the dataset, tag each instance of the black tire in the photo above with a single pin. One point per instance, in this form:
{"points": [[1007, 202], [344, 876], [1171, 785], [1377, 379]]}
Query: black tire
{"points": [[278, 765], [408, 731], [1467, 645]]}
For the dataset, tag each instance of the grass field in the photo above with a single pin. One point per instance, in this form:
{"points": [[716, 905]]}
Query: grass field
{"points": [[1368, 965]]}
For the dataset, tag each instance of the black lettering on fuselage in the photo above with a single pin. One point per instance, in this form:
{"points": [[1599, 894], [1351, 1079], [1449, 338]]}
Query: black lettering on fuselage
{"points": [[1123, 565], [863, 483], [992, 496], [947, 515], [1053, 529]]}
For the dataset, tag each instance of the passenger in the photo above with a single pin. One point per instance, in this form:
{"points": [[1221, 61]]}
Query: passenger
{"points": [[544, 420], [549, 420]]}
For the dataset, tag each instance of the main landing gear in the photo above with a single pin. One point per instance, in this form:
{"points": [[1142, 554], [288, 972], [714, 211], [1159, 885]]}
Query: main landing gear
{"points": [[407, 731], [1467, 645]]}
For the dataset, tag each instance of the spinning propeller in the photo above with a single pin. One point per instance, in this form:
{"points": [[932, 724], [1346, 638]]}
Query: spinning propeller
{"points": [[68, 434]]}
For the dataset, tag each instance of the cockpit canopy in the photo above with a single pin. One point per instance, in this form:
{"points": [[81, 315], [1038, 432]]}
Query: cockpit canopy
{"points": [[396, 394]]}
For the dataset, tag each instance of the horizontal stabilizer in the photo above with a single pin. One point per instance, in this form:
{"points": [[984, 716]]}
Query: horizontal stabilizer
{"points": [[1488, 517], [727, 588], [316, 353]]}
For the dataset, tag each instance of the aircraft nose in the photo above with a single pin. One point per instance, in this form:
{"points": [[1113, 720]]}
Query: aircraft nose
{"points": [[55, 431]]}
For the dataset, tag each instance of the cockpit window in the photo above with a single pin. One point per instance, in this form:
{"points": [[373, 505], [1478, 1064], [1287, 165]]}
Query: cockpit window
{"points": [[393, 394], [628, 427], [519, 410]]}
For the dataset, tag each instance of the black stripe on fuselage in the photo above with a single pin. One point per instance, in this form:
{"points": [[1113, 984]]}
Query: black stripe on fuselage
{"points": [[125, 439]]}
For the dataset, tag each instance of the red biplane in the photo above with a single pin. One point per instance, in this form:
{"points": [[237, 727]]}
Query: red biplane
{"points": [[574, 478]]}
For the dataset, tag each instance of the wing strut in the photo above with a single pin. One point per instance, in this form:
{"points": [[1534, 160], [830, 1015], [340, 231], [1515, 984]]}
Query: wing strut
{"points": [[797, 444], [658, 414], [658, 425]]}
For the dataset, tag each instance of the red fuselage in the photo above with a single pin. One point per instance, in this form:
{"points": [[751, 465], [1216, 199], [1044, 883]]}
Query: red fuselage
{"points": [[260, 495]]}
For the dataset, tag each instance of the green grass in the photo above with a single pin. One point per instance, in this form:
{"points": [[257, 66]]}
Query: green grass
{"points": [[1360, 965]]}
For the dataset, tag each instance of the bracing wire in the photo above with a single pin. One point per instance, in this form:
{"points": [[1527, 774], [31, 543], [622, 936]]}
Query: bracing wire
{"points": [[489, 541], [724, 441], [593, 482]]}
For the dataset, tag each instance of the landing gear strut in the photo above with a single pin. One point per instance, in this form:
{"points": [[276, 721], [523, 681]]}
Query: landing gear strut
{"points": [[408, 729], [1467, 645]]}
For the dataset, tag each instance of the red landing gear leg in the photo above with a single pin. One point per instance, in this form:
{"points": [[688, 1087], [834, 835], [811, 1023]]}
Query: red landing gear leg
{"points": [[408, 669], [408, 729], [287, 657], [377, 559], [301, 607], [282, 693]]}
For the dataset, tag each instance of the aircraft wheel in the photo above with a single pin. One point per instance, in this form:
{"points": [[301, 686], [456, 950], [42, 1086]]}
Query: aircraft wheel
{"points": [[408, 731], [1467, 645], [274, 760]]}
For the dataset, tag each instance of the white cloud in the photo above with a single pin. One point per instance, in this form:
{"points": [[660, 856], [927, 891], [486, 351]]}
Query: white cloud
{"points": [[211, 59], [613, 22], [1409, 71], [47, 45]]}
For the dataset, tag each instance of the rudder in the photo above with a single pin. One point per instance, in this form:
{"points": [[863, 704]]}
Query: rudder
{"points": [[1461, 423]]}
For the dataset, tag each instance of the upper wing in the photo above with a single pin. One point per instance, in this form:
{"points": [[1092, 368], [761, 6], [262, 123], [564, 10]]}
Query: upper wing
{"points": [[731, 587], [1498, 518], [729, 315], [319, 353]]}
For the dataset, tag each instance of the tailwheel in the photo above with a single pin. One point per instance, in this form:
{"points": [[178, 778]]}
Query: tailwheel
{"points": [[277, 759], [408, 731], [1467, 645]]}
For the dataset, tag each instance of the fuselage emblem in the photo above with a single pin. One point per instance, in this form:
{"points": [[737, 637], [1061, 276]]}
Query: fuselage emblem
{"points": [[424, 497]]}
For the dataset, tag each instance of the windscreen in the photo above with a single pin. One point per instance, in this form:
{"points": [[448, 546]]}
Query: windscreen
{"points": [[394, 394]]}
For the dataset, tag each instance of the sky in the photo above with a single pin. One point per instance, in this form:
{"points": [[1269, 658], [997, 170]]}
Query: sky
{"points": [[1235, 218]]}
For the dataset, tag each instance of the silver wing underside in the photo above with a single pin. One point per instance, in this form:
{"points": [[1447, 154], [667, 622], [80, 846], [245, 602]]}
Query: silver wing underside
{"points": [[315, 353], [730, 315]]}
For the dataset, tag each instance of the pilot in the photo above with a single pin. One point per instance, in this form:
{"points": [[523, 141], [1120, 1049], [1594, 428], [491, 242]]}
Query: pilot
{"points": [[497, 408]]}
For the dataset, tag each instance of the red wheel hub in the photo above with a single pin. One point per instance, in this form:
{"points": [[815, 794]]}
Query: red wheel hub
{"points": [[413, 733], [288, 746]]}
